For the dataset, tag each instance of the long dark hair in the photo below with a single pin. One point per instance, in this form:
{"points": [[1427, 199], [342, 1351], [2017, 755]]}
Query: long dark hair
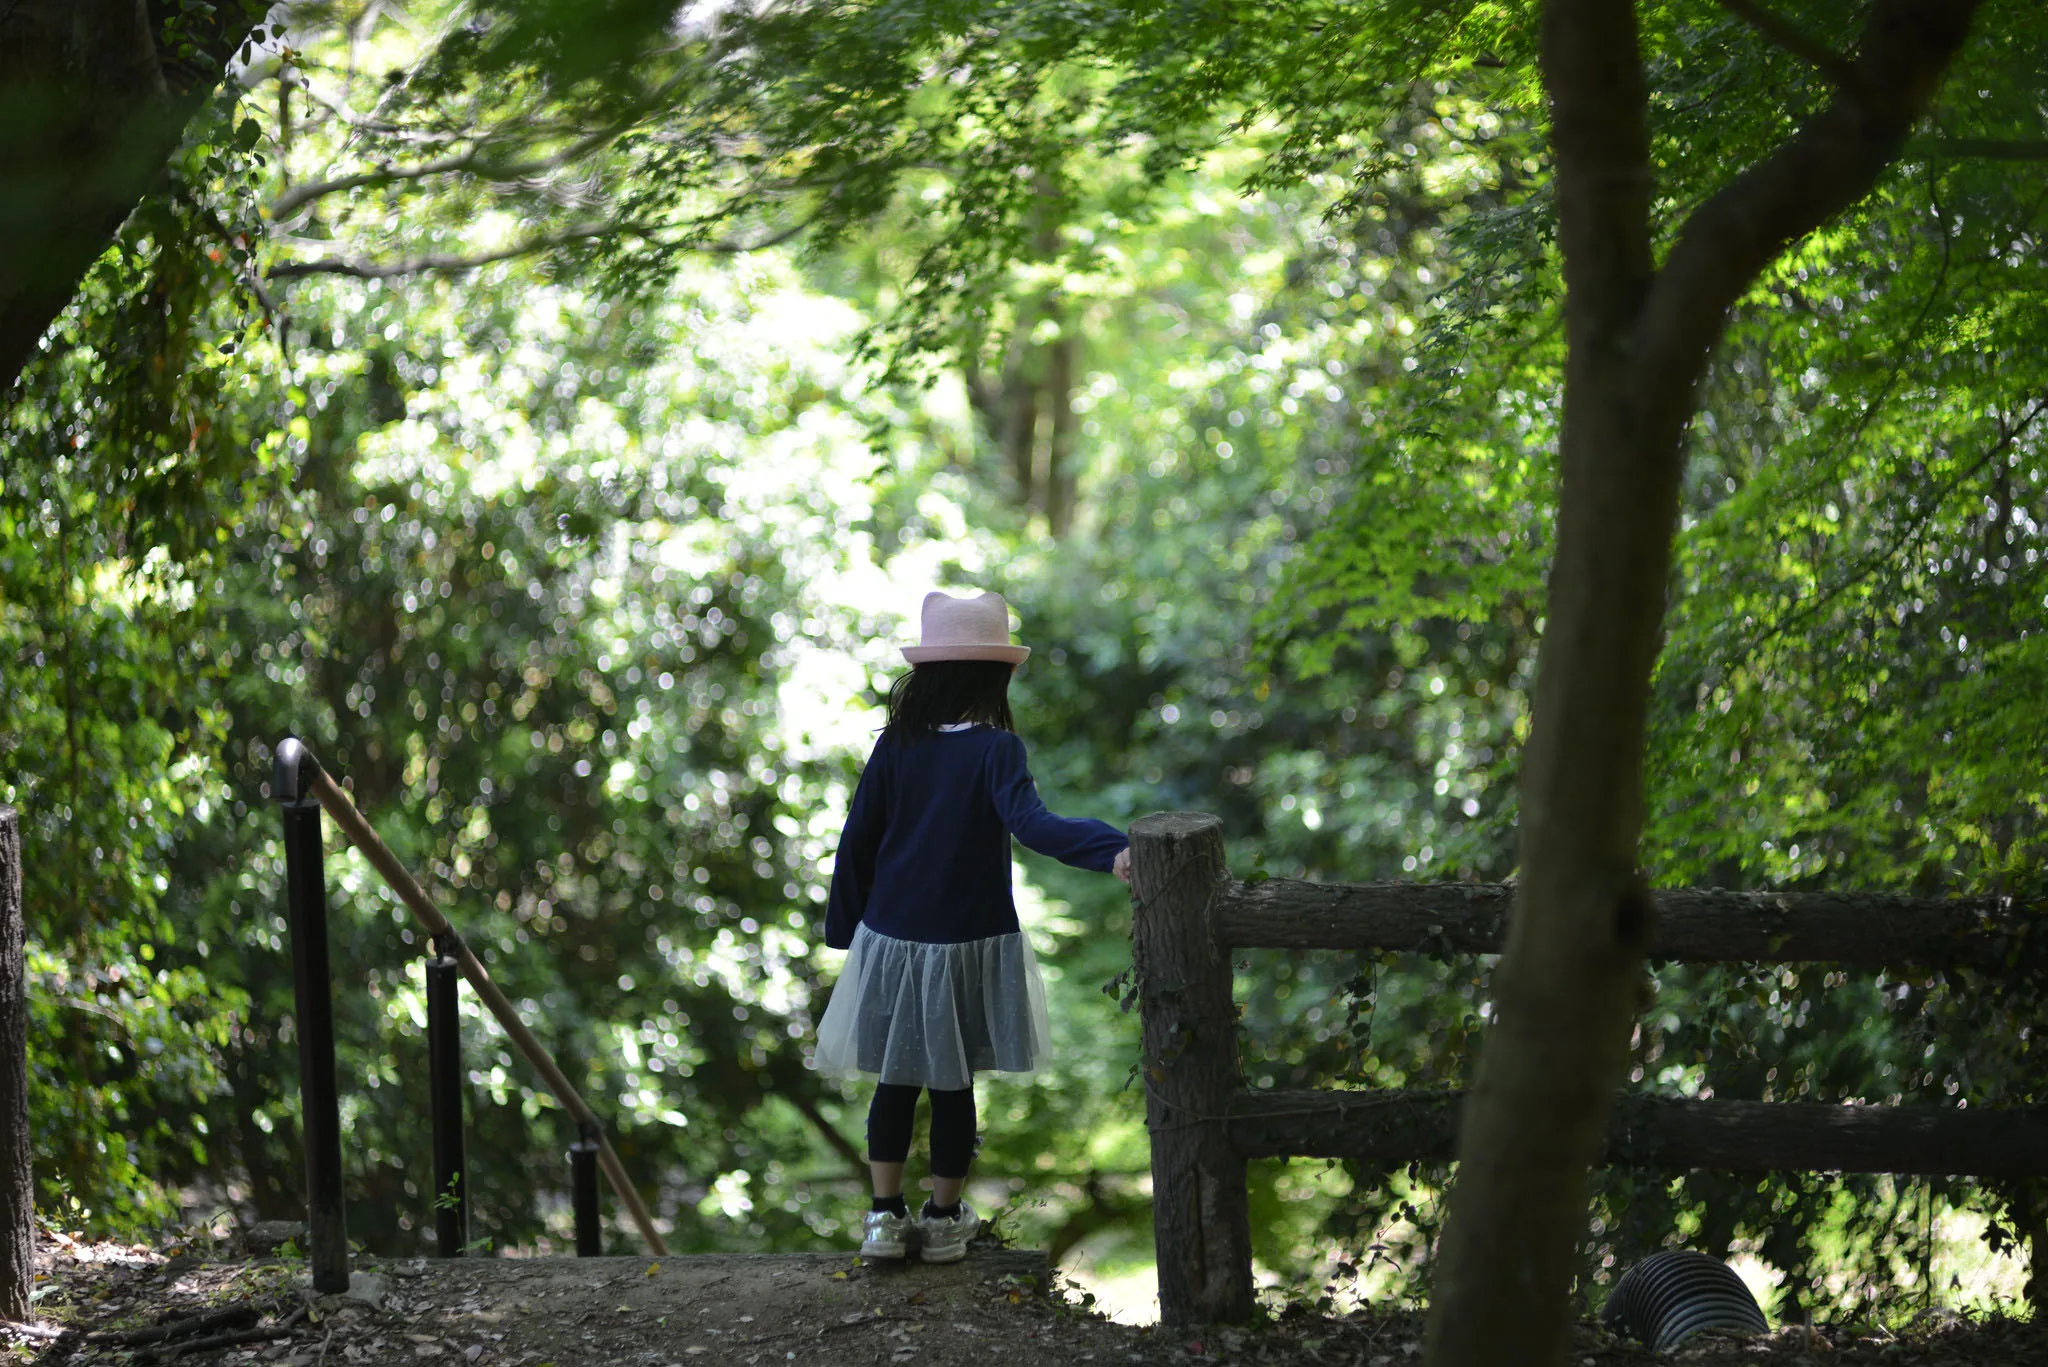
{"points": [[947, 691]]}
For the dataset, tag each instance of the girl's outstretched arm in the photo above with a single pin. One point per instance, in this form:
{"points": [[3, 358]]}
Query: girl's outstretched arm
{"points": [[1080, 841]]}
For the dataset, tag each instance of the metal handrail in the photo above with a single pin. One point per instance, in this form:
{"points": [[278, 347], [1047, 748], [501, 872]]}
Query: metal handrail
{"points": [[298, 775]]}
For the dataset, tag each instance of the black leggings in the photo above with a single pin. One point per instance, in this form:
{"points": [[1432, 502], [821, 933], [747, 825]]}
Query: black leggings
{"points": [[894, 1110]]}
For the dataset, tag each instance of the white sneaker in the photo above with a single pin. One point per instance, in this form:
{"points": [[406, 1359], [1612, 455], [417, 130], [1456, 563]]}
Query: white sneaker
{"points": [[945, 1238], [885, 1234]]}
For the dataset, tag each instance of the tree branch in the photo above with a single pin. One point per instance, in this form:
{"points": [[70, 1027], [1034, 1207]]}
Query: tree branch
{"points": [[475, 160], [361, 123], [298, 196], [456, 263], [445, 263], [1830, 163], [732, 247], [1788, 36]]}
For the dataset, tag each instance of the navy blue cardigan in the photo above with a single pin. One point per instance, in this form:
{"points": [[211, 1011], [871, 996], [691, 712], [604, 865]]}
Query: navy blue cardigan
{"points": [[926, 850]]}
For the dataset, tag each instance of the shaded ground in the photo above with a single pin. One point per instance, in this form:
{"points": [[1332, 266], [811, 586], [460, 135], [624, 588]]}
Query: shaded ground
{"points": [[104, 1304]]}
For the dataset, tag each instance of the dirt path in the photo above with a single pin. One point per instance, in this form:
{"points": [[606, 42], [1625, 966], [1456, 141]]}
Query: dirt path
{"points": [[101, 1304]]}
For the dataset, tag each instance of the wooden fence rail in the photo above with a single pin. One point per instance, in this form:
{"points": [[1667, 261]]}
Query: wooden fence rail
{"points": [[1662, 1132], [1189, 914], [1693, 925]]}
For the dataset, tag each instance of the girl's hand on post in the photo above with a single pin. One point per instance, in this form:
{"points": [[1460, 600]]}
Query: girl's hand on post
{"points": [[1122, 867]]}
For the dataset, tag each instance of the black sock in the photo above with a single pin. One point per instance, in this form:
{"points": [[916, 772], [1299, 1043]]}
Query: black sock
{"points": [[893, 1204], [933, 1212]]}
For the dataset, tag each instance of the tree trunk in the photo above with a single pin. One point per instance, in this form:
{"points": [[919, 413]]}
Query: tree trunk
{"points": [[17, 1183], [93, 101], [1637, 341], [1020, 418], [1566, 988], [1059, 445]]}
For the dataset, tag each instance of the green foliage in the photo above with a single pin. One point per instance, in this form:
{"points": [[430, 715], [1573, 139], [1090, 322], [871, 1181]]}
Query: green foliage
{"points": [[533, 608], [133, 452], [581, 570], [518, 593]]}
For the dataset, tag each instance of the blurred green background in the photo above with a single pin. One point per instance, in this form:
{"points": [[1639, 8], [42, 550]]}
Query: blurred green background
{"points": [[558, 428]]}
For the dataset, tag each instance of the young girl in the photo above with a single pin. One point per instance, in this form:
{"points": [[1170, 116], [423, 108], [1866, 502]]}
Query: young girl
{"points": [[940, 983]]}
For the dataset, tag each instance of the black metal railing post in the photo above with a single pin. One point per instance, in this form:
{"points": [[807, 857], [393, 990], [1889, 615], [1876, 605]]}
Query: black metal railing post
{"points": [[313, 987], [583, 1197], [444, 1082]]}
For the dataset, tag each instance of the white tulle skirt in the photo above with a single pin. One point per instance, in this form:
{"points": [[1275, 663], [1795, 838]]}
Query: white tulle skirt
{"points": [[934, 1015]]}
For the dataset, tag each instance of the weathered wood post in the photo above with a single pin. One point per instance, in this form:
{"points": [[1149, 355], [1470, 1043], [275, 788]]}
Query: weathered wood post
{"points": [[17, 1183], [1201, 1221]]}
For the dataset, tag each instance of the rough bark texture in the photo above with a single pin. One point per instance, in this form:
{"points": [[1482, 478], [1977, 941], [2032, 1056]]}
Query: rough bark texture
{"points": [[1636, 343], [17, 1184], [1696, 925], [1659, 1132], [1200, 1215], [93, 101]]}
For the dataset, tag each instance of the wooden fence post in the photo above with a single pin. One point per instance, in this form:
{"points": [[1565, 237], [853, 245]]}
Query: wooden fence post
{"points": [[17, 1183], [1200, 1217]]}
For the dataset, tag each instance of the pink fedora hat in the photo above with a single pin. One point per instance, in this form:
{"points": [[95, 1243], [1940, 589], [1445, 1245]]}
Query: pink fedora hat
{"points": [[965, 629]]}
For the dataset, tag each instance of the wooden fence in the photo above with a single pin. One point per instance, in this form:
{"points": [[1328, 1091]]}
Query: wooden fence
{"points": [[1205, 1123]]}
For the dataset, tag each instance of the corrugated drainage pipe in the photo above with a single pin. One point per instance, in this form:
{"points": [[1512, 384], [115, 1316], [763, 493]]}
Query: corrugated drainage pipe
{"points": [[1668, 1297]]}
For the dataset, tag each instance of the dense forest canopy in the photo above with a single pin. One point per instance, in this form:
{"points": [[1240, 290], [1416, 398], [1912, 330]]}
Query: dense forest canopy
{"points": [[553, 412]]}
